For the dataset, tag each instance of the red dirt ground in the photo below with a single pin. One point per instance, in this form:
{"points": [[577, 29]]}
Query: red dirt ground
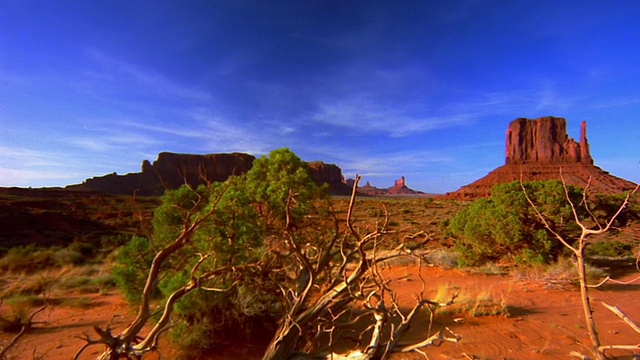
{"points": [[543, 322]]}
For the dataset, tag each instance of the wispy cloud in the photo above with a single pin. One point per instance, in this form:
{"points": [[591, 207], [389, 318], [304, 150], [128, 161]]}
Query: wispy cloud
{"points": [[147, 79], [29, 167], [398, 121], [29, 157]]}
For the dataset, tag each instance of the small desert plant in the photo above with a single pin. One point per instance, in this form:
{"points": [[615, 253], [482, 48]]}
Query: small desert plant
{"points": [[17, 317], [486, 303], [68, 256], [481, 303], [444, 257], [428, 202]]}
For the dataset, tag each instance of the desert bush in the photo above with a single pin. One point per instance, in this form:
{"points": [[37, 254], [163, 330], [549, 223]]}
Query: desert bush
{"points": [[16, 318], [132, 262], [503, 226], [444, 257], [428, 202], [109, 243], [67, 256], [253, 210], [31, 258], [76, 282], [604, 205], [28, 258], [609, 248]]}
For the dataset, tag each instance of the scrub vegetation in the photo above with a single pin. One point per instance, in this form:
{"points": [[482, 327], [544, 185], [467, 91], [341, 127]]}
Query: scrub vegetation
{"points": [[270, 253]]}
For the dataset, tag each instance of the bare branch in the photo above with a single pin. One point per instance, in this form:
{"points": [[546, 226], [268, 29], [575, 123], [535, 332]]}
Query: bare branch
{"points": [[544, 220], [25, 327], [616, 310]]}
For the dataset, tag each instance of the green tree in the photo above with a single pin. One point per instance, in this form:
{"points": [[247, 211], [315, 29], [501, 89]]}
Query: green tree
{"points": [[266, 247], [503, 226], [246, 215]]}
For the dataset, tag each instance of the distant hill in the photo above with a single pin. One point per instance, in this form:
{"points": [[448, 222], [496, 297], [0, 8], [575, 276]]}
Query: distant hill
{"points": [[398, 188], [540, 149]]}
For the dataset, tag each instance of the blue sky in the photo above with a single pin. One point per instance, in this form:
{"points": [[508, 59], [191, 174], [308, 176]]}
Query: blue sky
{"points": [[421, 89]]}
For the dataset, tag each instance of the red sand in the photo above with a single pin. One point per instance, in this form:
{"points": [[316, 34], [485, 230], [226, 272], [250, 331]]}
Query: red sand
{"points": [[543, 323]]}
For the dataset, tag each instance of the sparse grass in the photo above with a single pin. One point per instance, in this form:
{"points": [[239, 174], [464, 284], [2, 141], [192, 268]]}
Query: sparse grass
{"points": [[77, 302], [483, 302], [487, 303], [563, 272], [56, 282]]}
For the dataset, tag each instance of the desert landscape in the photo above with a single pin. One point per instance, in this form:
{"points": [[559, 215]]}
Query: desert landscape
{"points": [[60, 248]]}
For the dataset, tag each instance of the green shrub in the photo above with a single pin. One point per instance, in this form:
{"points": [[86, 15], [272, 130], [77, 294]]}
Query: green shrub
{"points": [[132, 265], [248, 217], [606, 205], [609, 248], [504, 226]]}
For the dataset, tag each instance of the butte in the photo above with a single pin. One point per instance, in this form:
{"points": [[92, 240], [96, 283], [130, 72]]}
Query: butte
{"points": [[540, 149]]}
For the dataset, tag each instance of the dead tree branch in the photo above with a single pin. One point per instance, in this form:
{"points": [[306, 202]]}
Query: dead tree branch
{"points": [[25, 327], [579, 251], [344, 280]]}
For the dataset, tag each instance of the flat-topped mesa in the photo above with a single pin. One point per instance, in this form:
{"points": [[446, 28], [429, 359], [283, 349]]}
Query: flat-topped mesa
{"points": [[172, 170], [545, 141]]}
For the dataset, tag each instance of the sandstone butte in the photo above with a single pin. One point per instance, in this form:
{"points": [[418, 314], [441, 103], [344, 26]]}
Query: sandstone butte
{"points": [[171, 170], [540, 149]]}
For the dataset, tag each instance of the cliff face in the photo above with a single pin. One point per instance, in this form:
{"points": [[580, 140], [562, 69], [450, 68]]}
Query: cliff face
{"points": [[174, 169], [170, 171], [544, 140], [539, 149], [329, 174]]}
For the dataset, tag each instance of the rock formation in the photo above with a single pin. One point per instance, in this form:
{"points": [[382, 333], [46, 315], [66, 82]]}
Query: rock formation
{"points": [[329, 174], [545, 140], [399, 188], [540, 149], [170, 171]]}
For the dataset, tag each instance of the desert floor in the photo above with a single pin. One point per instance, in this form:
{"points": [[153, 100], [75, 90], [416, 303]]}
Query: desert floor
{"points": [[536, 319]]}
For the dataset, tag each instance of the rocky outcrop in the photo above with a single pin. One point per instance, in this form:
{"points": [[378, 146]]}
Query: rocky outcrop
{"points": [[399, 188], [329, 174], [544, 140], [540, 149], [171, 170]]}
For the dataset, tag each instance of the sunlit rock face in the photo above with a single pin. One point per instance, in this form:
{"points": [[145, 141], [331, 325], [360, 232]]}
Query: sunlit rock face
{"points": [[544, 140], [540, 149], [329, 174]]}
